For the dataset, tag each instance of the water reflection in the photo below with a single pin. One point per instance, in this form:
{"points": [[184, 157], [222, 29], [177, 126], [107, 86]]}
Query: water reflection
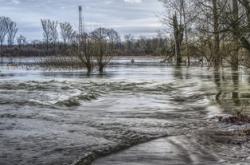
{"points": [[217, 81], [178, 72], [232, 89], [231, 86], [76, 74], [235, 93]]}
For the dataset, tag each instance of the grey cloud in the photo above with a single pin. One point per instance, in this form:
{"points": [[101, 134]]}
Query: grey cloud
{"points": [[127, 16]]}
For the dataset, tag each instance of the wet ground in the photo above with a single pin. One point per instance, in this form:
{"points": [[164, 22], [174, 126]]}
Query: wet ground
{"points": [[65, 117], [177, 150]]}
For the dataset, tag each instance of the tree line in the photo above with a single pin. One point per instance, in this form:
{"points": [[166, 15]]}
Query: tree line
{"points": [[217, 31], [64, 46], [214, 31], [8, 29]]}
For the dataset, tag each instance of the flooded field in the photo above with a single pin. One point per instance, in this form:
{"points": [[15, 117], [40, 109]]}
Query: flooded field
{"points": [[65, 117]]}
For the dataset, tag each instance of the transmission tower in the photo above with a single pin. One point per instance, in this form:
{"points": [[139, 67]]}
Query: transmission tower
{"points": [[80, 21]]}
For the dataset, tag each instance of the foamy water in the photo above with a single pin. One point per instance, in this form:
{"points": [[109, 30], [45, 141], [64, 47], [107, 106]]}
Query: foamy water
{"points": [[65, 117]]}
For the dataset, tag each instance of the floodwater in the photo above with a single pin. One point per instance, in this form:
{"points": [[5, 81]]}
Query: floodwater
{"points": [[66, 117]]}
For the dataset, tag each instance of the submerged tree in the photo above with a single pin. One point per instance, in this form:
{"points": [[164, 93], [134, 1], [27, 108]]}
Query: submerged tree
{"points": [[179, 18], [84, 50], [178, 36], [216, 31], [105, 41]]}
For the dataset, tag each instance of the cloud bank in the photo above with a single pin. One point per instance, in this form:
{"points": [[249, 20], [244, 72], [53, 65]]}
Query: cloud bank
{"points": [[136, 17]]}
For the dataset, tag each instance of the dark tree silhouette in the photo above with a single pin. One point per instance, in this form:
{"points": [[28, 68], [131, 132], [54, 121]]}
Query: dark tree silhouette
{"points": [[12, 31], [105, 41]]}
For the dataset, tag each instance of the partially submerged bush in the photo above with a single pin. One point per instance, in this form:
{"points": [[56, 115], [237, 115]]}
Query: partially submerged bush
{"points": [[105, 43], [241, 119], [89, 51]]}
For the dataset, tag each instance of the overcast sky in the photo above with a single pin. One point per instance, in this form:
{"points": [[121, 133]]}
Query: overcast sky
{"points": [[137, 17]]}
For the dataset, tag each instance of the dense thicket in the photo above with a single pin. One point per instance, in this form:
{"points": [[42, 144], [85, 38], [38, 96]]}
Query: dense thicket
{"points": [[217, 32]]}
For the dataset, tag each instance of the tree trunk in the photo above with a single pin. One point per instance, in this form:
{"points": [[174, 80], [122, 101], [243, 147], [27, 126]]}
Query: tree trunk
{"points": [[235, 55], [185, 31], [217, 56], [178, 53], [89, 69], [101, 69], [178, 35], [236, 34], [217, 81]]}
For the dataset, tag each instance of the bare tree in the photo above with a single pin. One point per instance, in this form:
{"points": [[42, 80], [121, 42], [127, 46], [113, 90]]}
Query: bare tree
{"points": [[179, 18], [216, 28], [234, 21], [46, 32], [183, 11], [84, 49], [3, 29], [129, 42], [50, 32], [185, 26], [74, 39], [210, 18], [106, 43], [12, 30], [235, 54], [66, 32], [246, 5], [54, 33], [245, 30], [178, 36]]}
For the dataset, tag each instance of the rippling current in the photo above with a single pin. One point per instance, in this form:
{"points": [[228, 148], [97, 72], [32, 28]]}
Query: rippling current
{"points": [[65, 117]]}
